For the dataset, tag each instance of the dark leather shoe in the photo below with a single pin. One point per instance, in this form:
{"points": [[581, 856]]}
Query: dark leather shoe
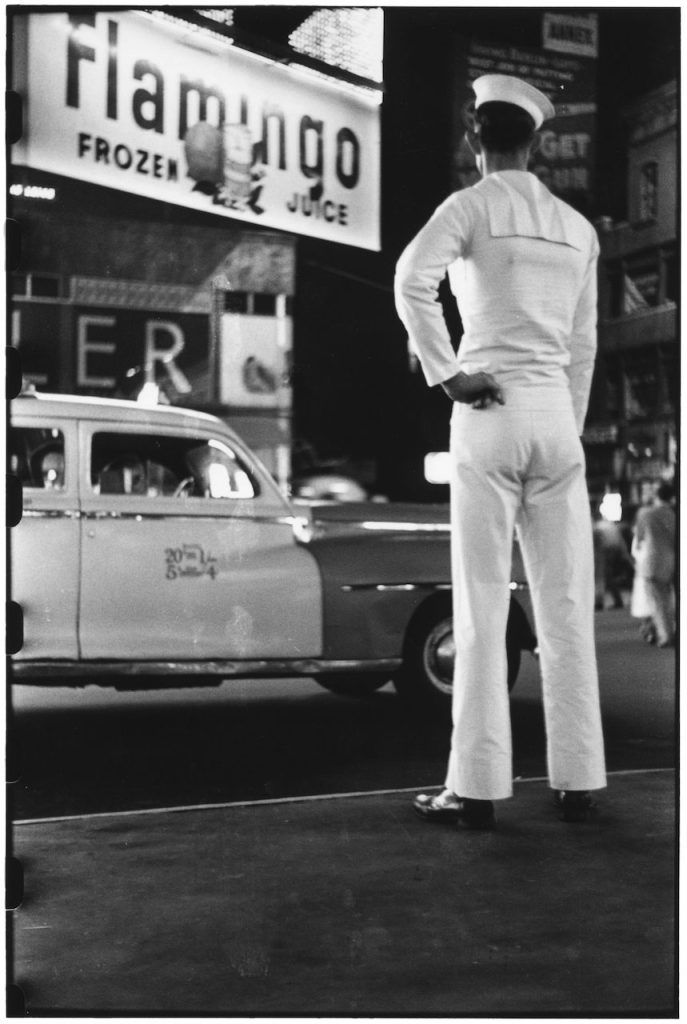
{"points": [[574, 805], [459, 811]]}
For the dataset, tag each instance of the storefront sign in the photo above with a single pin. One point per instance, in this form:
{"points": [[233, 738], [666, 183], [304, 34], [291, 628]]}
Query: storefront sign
{"points": [[123, 100], [255, 361], [565, 158], [571, 33], [115, 351], [112, 343]]}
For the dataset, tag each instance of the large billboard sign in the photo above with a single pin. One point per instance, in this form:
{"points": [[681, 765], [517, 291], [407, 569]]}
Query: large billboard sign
{"points": [[565, 70], [128, 101]]}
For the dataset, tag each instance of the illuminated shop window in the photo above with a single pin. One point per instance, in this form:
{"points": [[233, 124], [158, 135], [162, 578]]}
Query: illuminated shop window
{"points": [[648, 192], [344, 37]]}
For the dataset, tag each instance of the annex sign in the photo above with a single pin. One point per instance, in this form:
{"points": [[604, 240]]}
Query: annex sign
{"points": [[122, 100], [571, 33]]}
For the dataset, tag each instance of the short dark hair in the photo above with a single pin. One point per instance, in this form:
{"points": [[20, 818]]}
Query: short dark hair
{"points": [[503, 127]]}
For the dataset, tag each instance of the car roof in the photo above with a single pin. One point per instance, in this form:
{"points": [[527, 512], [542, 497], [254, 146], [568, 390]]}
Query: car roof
{"points": [[85, 407]]}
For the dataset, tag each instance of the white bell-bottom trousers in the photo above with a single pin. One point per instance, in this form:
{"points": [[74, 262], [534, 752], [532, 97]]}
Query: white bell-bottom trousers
{"points": [[522, 465]]}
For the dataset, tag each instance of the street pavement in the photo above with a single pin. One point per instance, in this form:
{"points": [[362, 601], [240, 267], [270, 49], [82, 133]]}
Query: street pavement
{"points": [[347, 905], [351, 906]]}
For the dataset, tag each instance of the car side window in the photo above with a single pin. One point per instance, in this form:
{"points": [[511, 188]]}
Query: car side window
{"points": [[36, 457], [163, 465]]}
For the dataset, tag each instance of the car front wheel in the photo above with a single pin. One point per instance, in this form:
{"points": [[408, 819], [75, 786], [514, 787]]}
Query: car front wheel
{"points": [[426, 677]]}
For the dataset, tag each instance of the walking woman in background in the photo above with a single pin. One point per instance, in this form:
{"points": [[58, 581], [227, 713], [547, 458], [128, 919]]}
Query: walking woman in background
{"points": [[653, 549]]}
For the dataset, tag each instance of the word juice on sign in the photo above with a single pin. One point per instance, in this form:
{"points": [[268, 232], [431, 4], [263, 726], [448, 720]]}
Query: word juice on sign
{"points": [[318, 209]]}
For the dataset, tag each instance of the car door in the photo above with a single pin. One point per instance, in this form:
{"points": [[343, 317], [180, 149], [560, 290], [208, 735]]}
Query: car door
{"points": [[188, 552], [45, 546]]}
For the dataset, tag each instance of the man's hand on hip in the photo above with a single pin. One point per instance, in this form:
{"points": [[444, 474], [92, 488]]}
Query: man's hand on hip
{"points": [[479, 390]]}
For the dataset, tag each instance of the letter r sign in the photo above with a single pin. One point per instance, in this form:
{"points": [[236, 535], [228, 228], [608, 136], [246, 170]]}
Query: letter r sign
{"points": [[166, 355]]}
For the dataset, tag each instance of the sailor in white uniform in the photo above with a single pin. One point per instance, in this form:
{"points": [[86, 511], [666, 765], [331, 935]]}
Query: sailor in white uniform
{"points": [[522, 265]]}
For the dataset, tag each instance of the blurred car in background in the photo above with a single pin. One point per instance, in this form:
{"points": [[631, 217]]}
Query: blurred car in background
{"points": [[328, 487], [155, 549]]}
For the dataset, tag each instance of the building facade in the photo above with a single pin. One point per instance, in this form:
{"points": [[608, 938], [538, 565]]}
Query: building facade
{"points": [[631, 433]]}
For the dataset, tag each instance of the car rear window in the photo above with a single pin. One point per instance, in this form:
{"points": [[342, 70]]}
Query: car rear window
{"points": [[36, 457], [163, 465]]}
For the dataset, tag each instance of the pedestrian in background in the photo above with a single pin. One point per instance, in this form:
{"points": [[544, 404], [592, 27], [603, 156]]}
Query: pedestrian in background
{"points": [[522, 265], [653, 549], [612, 563]]}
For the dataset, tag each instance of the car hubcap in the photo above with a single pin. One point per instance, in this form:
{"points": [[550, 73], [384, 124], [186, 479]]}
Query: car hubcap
{"points": [[440, 656]]}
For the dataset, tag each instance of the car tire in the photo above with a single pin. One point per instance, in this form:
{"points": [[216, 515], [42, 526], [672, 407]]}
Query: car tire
{"points": [[353, 685], [425, 680]]}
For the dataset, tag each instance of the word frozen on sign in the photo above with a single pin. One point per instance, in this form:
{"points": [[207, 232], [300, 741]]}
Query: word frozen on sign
{"points": [[142, 161]]}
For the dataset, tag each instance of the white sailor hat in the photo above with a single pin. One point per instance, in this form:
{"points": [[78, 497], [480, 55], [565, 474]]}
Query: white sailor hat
{"points": [[507, 89]]}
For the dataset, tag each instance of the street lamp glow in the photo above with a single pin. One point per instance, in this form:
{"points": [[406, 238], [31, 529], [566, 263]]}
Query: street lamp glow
{"points": [[611, 508], [437, 467]]}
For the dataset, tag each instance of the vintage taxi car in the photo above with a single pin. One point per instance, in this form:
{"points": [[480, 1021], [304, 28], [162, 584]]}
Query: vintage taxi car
{"points": [[155, 549]]}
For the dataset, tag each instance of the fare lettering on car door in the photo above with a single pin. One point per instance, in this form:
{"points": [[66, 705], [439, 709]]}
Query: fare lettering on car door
{"points": [[189, 560]]}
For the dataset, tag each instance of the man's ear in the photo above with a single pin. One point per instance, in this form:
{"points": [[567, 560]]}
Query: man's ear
{"points": [[473, 141], [536, 142]]}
